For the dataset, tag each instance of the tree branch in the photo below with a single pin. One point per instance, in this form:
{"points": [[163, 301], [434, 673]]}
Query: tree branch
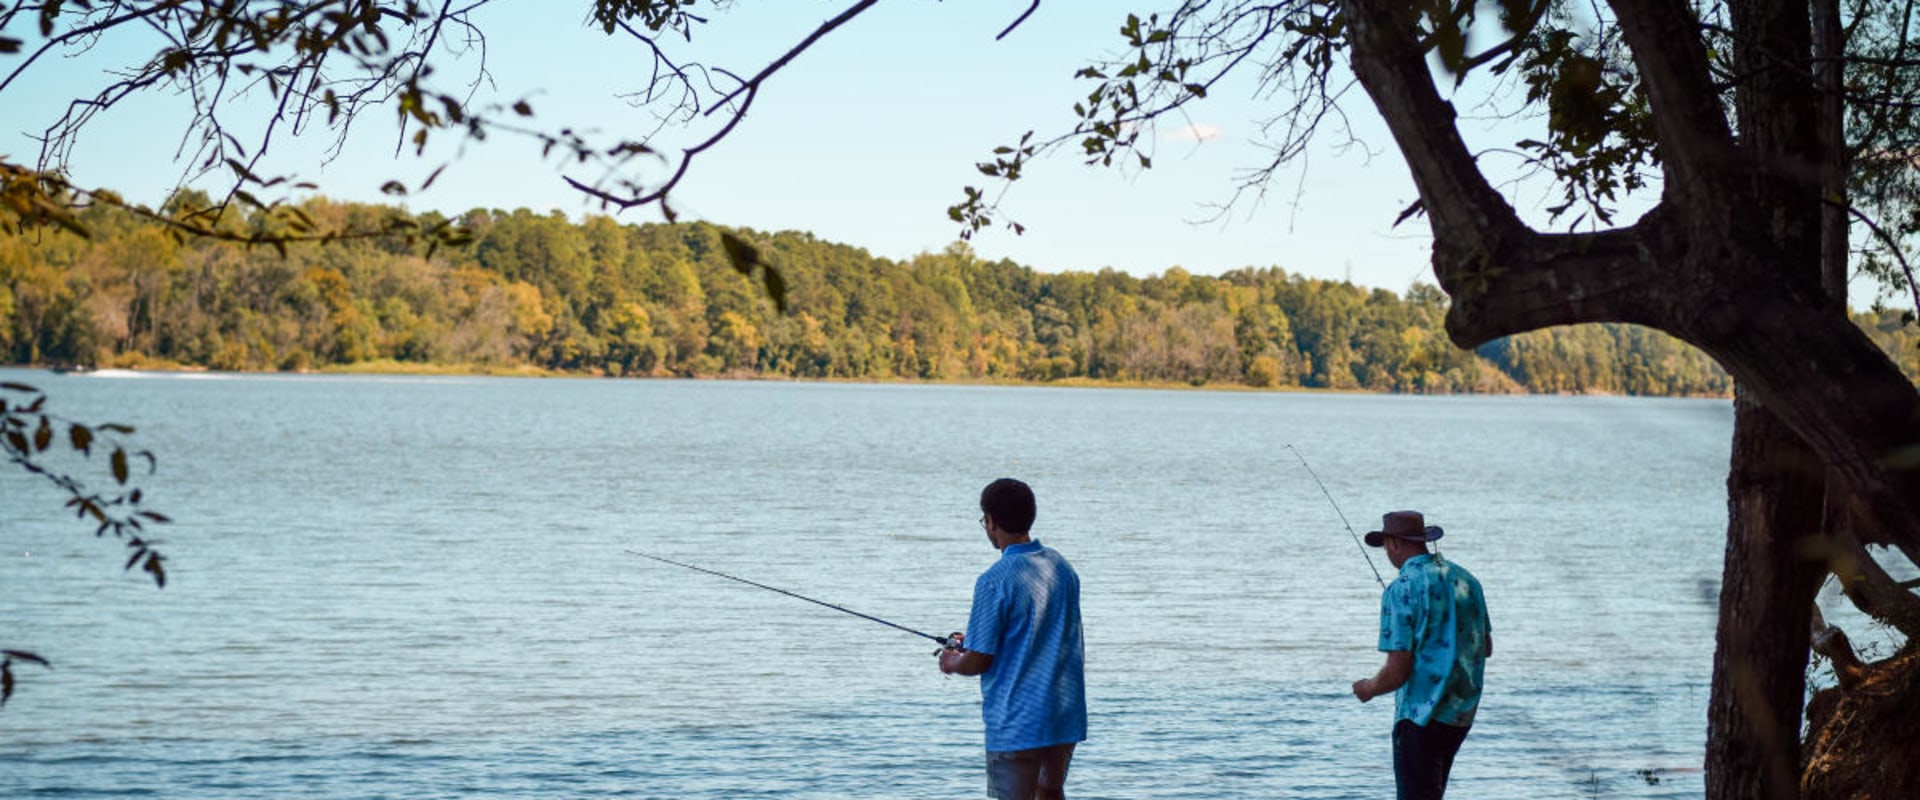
{"points": [[745, 93], [77, 34], [1022, 18], [1871, 589], [1697, 149], [1541, 280], [1893, 247], [1463, 208], [825, 28]]}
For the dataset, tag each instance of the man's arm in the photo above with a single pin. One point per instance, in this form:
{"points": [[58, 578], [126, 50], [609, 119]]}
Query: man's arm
{"points": [[961, 661], [1392, 674]]}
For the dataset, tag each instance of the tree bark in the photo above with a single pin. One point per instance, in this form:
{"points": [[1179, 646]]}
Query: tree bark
{"points": [[1829, 75], [1772, 572]]}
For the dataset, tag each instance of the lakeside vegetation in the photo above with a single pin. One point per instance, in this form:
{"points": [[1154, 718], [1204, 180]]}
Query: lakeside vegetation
{"points": [[532, 292]]}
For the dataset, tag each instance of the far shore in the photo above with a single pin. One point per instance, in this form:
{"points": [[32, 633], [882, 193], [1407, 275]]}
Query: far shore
{"points": [[391, 367]]}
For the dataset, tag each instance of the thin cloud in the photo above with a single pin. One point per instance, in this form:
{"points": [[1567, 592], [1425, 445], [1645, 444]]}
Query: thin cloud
{"points": [[1194, 133]]}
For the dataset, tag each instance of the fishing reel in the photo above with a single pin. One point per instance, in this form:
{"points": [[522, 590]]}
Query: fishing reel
{"points": [[952, 642]]}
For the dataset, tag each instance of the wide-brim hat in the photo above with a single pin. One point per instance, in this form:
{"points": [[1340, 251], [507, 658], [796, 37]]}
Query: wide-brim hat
{"points": [[1408, 525]]}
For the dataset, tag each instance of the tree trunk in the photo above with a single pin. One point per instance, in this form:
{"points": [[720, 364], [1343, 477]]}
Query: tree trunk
{"points": [[1774, 502], [1776, 486]]}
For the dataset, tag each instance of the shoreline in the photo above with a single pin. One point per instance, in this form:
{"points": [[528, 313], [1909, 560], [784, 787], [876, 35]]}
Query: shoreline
{"points": [[389, 367]]}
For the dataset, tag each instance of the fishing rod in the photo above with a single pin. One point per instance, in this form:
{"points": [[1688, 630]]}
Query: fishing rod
{"points": [[1343, 516], [943, 640]]}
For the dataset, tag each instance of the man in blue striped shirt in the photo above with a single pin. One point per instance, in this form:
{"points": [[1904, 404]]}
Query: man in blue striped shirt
{"points": [[1023, 639]]}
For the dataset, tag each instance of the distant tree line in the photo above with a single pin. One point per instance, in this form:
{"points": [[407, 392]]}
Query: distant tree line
{"points": [[601, 297]]}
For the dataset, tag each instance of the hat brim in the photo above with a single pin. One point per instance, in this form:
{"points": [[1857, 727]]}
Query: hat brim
{"points": [[1379, 538]]}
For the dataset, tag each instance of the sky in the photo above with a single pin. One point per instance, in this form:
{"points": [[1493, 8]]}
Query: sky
{"points": [[865, 139]]}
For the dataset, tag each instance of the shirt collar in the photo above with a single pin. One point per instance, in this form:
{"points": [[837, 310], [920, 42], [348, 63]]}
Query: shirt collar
{"points": [[1416, 560], [1028, 546]]}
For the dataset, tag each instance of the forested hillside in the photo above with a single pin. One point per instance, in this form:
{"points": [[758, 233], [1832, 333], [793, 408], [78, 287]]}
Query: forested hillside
{"points": [[603, 297]]}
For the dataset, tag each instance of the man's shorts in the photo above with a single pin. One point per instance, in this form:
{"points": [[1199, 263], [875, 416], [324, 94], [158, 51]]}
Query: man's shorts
{"points": [[1018, 774]]}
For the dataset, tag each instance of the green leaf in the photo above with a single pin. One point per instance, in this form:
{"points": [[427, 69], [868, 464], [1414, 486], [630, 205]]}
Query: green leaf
{"points": [[745, 258], [120, 465], [740, 253], [776, 288], [43, 437], [48, 12], [1417, 207], [9, 45], [158, 572], [82, 438], [66, 220], [240, 170], [25, 656], [18, 387]]}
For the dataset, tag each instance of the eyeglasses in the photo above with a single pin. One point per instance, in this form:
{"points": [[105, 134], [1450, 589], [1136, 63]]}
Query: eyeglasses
{"points": [[983, 522]]}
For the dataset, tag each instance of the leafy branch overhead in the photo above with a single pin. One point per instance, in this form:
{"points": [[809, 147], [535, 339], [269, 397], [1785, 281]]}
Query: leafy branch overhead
{"points": [[321, 66], [7, 657], [747, 260], [1600, 134], [32, 199], [30, 436]]}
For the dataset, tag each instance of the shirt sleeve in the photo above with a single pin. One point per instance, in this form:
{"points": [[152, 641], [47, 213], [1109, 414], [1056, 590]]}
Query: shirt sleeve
{"points": [[986, 623], [1480, 600], [1396, 619]]}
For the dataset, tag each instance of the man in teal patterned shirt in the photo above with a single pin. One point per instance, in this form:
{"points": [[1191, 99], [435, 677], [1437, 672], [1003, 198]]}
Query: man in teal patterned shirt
{"points": [[1434, 630]]}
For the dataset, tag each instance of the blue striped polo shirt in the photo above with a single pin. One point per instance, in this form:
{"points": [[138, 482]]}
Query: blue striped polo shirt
{"points": [[1026, 614], [1435, 610]]}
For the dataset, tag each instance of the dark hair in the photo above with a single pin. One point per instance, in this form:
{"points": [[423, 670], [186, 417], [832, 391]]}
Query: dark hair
{"points": [[1010, 503]]}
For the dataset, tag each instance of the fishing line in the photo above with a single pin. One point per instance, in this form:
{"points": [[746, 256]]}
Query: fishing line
{"points": [[1343, 516], [944, 641]]}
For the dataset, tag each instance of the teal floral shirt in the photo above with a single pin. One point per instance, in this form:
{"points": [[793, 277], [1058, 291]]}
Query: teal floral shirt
{"points": [[1435, 610]]}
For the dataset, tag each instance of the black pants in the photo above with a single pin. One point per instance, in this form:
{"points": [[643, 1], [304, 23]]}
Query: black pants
{"points": [[1422, 757], [1037, 774]]}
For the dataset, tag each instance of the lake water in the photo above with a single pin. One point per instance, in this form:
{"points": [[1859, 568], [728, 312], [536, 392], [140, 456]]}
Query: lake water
{"points": [[417, 587]]}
